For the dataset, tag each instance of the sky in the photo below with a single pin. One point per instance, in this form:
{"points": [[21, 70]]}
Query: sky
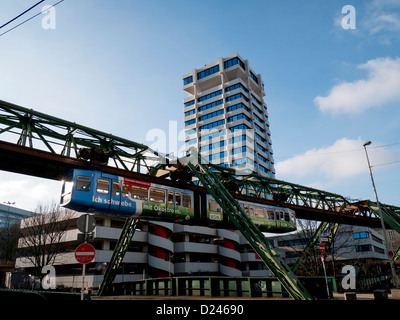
{"points": [[331, 71]]}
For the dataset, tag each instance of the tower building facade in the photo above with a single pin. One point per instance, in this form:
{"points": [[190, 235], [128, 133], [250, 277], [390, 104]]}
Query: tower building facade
{"points": [[226, 118]]}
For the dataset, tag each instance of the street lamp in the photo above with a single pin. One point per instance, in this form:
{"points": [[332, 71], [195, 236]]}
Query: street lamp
{"points": [[396, 283]]}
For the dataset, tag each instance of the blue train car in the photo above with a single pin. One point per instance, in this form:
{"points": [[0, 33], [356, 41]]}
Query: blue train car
{"points": [[94, 191]]}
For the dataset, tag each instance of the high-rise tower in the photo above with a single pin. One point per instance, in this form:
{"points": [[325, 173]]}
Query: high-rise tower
{"points": [[226, 118]]}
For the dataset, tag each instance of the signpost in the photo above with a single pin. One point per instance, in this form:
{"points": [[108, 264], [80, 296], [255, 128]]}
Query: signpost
{"points": [[322, 250], [85, 252]]}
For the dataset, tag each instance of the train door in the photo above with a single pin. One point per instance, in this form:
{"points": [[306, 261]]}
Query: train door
{"points": [[115, 196], [108, 195]]}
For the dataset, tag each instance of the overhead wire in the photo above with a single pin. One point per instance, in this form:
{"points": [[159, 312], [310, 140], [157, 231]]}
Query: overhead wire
{"points": [[21, 14], [1, 34]]}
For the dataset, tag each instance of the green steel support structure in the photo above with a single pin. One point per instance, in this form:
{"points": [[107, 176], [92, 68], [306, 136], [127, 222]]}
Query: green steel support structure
{"points": [[248, 229], [58, 137], [323, 228], [391, 217], [119, 252]]}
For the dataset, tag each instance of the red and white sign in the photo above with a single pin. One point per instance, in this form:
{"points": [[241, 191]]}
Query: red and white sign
{"points": [[322, 248], [84, 253]]}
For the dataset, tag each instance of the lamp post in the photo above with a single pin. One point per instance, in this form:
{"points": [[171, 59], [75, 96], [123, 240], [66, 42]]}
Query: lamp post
{"points": [[396, 283]]}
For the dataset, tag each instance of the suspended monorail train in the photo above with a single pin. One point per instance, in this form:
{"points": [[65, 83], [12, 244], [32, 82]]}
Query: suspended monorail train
{"points": [[97, 192]]}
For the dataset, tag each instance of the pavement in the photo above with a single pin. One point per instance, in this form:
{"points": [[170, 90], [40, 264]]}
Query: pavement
{"points": [[336, 296]]}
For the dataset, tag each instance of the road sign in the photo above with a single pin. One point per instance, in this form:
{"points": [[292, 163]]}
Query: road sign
{"points": [[84, 253], [322, 248], [81, 223]]}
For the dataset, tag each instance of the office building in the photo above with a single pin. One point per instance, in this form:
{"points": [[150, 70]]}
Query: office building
{"points": [[157, 249], [226, 118], [11, 215]]}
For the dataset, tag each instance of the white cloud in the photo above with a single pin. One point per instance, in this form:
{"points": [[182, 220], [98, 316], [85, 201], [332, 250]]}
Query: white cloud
{"points": [[383, 22], [344, 159], [379, 88], [28, 192]]}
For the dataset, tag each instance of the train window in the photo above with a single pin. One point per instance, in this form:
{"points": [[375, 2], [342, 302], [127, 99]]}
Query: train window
{"points": [[214, 206], [259, 212], [115, 190], [177, 199], [157, 195], [281, 215], [287, 218], [246, 210], [186, 201], [270, 214], [125, 190], [102, 186], [170, 199], [251, 212], [139, 193], [67, 185], [83, 183]]}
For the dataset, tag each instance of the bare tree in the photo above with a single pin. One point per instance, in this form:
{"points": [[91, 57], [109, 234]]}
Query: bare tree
{"points": [[311, 264], [42, 236]]}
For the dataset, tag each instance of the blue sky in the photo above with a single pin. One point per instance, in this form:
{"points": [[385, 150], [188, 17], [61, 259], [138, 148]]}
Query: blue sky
{"points": [[117, 66]]}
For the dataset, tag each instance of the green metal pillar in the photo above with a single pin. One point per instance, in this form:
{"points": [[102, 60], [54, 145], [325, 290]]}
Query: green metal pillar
{"points": [[119, 252]]}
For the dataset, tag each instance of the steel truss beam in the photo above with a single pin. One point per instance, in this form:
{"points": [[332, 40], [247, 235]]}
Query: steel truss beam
{"points": [[44, 132]]}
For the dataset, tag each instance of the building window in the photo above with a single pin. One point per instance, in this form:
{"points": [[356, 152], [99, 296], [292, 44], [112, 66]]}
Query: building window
{"points": [[189, 122], [210, 105], [236, 86], [238, 117], [254, 77], [191, 131], [211, 115], [237, 107], [209, 96], [207, 72], [236, 96], [188, 113], [187, 80], [379, 250], [239, 127], [363, 248], [189, 142], [239, 150], [360, 235], [233, 62], [212, 125], [189, 103]]}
